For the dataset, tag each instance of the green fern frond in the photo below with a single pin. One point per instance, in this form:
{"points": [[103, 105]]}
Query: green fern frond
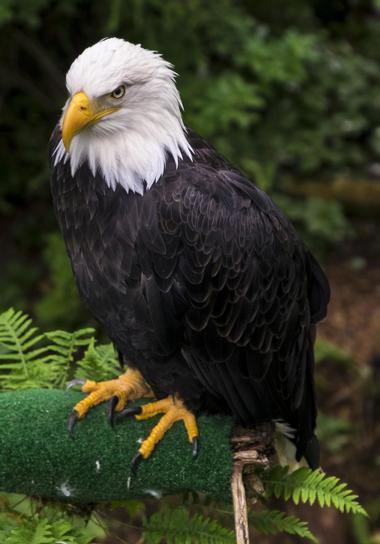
{"points": [[41, 530], [66, 529], [271, 522], [21, 350], [29, 359], [28, 522], [65, 345], [307, 486], [8, 522], [99, 363], [37, 532], [176, 526]]}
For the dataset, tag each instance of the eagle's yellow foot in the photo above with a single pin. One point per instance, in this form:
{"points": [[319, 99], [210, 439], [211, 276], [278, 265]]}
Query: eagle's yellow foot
{"points": [[174, 410], [129, 386]]}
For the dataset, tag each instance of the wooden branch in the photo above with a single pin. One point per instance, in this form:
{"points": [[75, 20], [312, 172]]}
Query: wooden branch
{"points": [[240, 504], [252, 448]]}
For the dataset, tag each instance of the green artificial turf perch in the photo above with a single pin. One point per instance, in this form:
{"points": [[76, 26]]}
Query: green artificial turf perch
{"points": [[39, 458]]}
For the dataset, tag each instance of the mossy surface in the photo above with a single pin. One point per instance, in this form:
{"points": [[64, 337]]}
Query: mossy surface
{"points": [[38, 457]]}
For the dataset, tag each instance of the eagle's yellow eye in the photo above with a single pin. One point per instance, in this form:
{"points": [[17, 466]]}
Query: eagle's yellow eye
{"points": [[119, 92]]}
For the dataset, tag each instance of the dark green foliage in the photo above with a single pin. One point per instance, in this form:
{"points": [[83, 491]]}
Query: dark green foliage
{"points": [[320, 222], [327, 351], [271, 522], [335, 432], [60, 304], [25, 522], [177, 526]]}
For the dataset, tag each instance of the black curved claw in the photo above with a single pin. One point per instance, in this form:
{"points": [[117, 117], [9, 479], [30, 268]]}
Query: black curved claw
{"points": [[136, 459], [73, 418], [111, 409], [72, 383], [195, 447], [132, 411]]}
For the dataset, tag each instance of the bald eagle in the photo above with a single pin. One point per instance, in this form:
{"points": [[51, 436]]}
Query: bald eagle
{"points": [[197, 277]]}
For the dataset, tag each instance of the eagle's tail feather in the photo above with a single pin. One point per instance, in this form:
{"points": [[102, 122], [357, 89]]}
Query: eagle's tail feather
{"points": [[287, 451]]}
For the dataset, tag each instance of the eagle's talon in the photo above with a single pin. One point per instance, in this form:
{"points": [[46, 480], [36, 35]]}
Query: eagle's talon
{"points": [[73, 418], [172, 409], [129, 386], [111, 409], [131, 411], [136, 459], [195, 447], [73, 383]]}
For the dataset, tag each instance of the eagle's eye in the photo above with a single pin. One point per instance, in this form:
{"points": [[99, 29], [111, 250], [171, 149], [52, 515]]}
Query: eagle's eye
{"points": [[119, 92]]}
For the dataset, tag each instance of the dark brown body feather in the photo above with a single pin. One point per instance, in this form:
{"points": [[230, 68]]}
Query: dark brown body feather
{"points": [[203, 284]]}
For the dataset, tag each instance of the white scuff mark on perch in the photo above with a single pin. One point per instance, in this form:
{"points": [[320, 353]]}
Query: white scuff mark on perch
{"points": [[65, 490], [155, 493]]}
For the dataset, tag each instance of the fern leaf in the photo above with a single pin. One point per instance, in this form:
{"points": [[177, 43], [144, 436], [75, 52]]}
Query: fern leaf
{"points": [[99, 363], [19, 351], [29, 359], [36, 532], [64, 529], [64, 346], [176, 526], [29, 522], [306, 486], [271, 522]]}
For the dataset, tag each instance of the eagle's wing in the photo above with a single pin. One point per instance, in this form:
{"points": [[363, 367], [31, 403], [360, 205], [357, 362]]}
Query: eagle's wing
{"points": [[224, 264]]}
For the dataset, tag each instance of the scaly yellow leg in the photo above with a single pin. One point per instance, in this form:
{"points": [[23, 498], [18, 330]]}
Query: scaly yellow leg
{"points": [[128, 386], [174, 410]]}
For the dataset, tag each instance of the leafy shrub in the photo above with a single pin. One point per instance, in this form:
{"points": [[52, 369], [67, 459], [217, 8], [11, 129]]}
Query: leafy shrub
{"points": [[22, 523], [320, 222], [30, 359], [59, 304]]}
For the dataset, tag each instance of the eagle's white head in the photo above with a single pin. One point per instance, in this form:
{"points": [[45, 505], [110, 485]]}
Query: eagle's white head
{"points": [[123, 115]]}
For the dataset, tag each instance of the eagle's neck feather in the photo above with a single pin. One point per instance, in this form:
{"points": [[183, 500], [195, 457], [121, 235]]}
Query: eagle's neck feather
{"points": [[134, 158]]}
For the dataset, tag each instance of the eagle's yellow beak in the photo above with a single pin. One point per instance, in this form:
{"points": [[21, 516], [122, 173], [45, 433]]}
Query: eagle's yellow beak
{"points": [[80, 113]]}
